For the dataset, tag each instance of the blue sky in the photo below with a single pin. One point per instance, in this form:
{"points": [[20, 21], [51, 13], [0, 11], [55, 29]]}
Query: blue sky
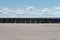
{"points": [[38, 3], [29, 8]]}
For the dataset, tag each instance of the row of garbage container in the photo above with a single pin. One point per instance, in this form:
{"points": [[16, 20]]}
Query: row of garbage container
{"points": [[29, 20]]}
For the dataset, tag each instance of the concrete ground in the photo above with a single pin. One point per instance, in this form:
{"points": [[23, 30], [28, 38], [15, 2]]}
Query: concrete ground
{"points": [[29, 31]]}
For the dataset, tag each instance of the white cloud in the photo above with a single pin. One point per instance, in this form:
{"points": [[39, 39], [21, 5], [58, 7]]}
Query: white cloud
{"points": [[6, 10], [19, 11], [30, 8], [57, 8], [45, 12]]}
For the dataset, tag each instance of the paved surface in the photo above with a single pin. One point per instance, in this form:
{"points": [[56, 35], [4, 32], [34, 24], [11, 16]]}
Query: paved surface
{"points": [[29, 31]]}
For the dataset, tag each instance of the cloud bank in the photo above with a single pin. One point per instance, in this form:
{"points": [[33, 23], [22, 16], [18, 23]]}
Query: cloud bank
{"points": [[30, 11]]}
